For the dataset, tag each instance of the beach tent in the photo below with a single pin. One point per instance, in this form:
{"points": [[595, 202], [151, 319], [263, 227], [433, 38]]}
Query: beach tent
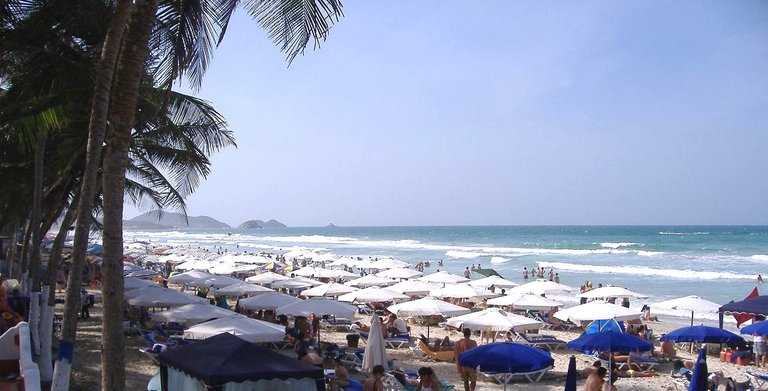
{"points": [[752, 307], [599, 326], [251, 330], [232, 363]]}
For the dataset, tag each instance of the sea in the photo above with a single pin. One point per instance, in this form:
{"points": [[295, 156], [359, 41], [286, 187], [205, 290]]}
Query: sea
{"points": [[718, 263]]}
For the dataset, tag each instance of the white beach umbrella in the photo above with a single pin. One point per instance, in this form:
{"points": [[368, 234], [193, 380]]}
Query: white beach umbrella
{"points": [[192, 313], [426, 307], [541, 287], [143, 273], [251, 330], [462, 291], [268, 301], [162, 297], [132, 283], [174, 258], [690, 303], [372, 294], [130, 267], [295, 282], [229, 268], [370, 280], [607, 292], [390, 263], [333, 289], [597, 310], [194, 264], [266, 278], [215, 281], [443, 277], [525, 301], [242, 288], [494, 281], [375, 352], [318, 306], [494, 319], [244, 258], [334, 273], [306, 271], [188, 276], [399, 272], [413, 287]]}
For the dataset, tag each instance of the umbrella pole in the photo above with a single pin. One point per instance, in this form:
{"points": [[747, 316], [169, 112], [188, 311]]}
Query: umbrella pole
{"points": [[610, 369], [691, 318]]}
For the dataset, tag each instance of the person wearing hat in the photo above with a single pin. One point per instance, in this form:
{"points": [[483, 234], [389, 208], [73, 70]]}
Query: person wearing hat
{"points": [[84, 304]]}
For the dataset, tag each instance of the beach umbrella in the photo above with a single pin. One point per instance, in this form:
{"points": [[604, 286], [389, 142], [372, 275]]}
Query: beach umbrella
{"points": [[214, 281], [130, 267], [370, 280], [493, 319], [306, 271], [135, 283], [427, 306], [334, 273], [242, 288], [413, 287], [162, 297], [225, 269], [701, 333], [572, 376], [700, 377], [194, 264], [541, 287], [192, 313], [607, 292], [399, 272], [266, 278], [372, 294], [609, 341], [525, 301], [691, 303], [461, 291], [494, 281], [757, 328], [443, 278], [390, 263], [268, 301], [251, 330], [505, 359], [295, 282], [375, 351], [188, 276], [332, 289], [318, 306], [144, 273], [597, 310]]}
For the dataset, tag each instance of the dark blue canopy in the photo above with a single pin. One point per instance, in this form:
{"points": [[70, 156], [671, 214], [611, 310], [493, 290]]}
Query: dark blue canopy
{"points": [[507, 357], [701, 334], [754, 306], [226, 358], [610, 341]]}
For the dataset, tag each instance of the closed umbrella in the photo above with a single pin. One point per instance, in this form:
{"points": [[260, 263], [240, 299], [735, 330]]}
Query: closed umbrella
{"points": [[375, 351], [506, 359], [700, 377], [572, 376]]}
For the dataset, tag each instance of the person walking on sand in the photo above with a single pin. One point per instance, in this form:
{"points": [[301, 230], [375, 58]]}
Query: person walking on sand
{"points": [[468, 375]]}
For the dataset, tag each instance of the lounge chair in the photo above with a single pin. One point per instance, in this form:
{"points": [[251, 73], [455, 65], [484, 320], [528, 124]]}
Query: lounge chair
{"points": [[337, 324], [758, 379], [397, 341], [505, 378], [548, 342], [680, 383], [437, 355]]}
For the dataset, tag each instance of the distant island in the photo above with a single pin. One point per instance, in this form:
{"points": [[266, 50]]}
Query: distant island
{"points": [[331, 225], [262, 224], [169, 220]]}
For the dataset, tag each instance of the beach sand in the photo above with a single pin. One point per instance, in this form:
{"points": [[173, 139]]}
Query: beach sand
{"points": [[87, 365]]}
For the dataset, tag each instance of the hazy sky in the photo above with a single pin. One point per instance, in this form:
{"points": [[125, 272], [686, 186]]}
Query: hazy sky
{"points": [[498, 113]]}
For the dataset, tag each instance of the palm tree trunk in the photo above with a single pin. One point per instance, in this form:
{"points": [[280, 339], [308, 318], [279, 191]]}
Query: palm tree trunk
{"points": [[121, 118], [96, 130], [34, 259]]}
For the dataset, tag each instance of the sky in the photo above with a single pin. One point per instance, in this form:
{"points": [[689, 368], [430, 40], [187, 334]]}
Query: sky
{"points": [[497, 113]]}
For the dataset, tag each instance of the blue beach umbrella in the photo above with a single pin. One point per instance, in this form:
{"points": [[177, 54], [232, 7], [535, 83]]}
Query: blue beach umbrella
{"points": [[570, 378], [609, 341], [758, 328], [699, 381], [702, 333], [506, 359]]}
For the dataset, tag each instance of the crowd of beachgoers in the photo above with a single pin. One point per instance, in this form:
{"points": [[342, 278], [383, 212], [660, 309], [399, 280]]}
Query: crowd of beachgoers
{"points": [[235, 281]]}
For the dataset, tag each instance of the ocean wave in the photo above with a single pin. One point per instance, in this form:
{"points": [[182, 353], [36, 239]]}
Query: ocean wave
{"points": [[464, 254], [498, 260], [647, 271], [617, 244], [683, 233], [760, 257]]}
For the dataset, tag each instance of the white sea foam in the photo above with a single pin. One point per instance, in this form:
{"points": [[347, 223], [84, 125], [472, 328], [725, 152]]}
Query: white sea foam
{"points": [[464, 254], [499, 260], [647, 271], [760, 257], [617, 244]]}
